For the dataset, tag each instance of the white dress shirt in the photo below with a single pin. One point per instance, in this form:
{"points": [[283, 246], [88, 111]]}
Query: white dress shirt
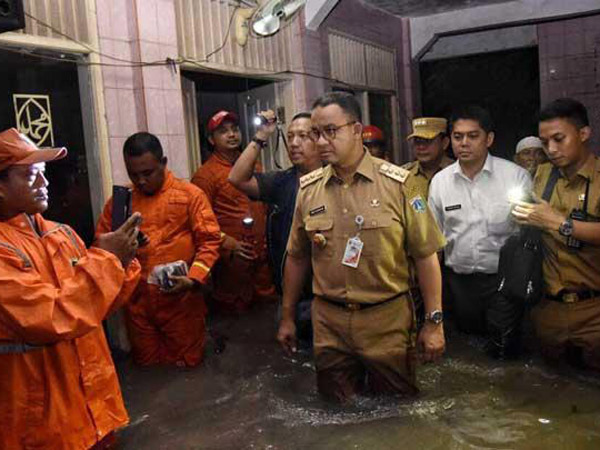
{"points": [[474, 215]]}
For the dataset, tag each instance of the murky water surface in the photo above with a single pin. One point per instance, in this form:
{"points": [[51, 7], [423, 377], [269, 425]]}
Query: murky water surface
{"points": [[251, 397]]}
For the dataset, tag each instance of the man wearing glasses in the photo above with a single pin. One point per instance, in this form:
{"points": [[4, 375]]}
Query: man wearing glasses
{"points": [[356, 227], [278, 189]]}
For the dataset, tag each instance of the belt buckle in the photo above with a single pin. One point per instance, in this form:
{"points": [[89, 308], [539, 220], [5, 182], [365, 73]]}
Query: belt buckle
{"points": [[570, 297], [353, 306]]}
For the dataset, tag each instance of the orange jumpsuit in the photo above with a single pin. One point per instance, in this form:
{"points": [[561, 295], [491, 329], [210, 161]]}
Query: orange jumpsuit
{"points": [[236, 282], [179, 222], [58, 385]]}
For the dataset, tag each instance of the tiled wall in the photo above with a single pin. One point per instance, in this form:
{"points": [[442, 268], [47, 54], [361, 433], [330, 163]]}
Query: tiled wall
{"points": [[569, 53], [371, 25], [140, 98]]}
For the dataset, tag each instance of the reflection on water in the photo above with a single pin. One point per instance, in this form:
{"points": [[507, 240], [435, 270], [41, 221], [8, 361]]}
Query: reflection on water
{"points": [[251, 397]]}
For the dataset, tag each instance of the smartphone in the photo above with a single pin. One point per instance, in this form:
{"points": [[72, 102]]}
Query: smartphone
{"points": [[122, 210], [121, 206]]}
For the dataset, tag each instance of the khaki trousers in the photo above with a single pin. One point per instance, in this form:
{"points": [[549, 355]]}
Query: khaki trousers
{"points": [[564, 326], [367, 351]]}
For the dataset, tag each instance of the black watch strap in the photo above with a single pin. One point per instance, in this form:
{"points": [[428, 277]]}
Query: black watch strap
{"points": [[259, 142]]}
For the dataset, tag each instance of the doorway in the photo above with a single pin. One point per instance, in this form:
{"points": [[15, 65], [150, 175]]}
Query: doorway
{"points": [[507, 83], [41, 98], [244, 96]]}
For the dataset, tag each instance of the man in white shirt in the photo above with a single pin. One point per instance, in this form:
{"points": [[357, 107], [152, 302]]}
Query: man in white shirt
{"points": [[470, 202]]}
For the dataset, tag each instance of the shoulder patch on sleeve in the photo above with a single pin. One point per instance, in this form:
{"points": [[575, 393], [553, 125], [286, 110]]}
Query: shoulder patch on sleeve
{"points": [[408, 166], [311, 177], [394, 172]]}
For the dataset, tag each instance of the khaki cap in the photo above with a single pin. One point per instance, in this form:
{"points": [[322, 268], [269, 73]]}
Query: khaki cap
{"points": [[428, 127]]}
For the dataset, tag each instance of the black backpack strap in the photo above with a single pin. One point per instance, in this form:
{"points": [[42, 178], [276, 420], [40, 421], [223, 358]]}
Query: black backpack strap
{"points": [[552, 179]]}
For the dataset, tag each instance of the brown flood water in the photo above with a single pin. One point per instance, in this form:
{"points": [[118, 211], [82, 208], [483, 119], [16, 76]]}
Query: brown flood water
{"points": [[252, 397]]}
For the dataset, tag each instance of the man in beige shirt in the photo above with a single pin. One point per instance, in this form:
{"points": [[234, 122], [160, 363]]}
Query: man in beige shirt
{"points": [[356, 227], [567, 320]]}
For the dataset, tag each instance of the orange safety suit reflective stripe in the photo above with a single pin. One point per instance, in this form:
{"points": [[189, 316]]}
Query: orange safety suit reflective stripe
{"points": [[58, 385], [180, 225], [236, 283]]}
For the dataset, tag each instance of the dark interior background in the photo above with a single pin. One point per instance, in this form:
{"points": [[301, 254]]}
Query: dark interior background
{"points": [[506, 83], [69, 186]]}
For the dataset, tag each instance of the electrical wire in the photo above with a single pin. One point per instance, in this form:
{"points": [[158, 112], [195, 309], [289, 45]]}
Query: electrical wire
{"points": [[217, 50]]}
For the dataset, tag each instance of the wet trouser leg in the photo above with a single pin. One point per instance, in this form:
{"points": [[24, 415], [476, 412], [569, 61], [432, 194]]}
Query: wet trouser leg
{"points": [[479, 308], [371, 348], [166, 329], [560, 326]]}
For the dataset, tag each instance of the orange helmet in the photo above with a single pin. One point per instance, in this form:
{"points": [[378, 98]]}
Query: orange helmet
{"points": [[372, 134]]}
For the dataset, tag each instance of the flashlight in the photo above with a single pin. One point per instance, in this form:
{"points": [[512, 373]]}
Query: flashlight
{"points": [[517, 194], [260, 121], [248, 222]]}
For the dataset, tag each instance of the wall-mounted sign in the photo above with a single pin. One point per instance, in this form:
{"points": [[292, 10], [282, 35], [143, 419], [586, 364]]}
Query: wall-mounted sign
{"points": [[34, 118]]}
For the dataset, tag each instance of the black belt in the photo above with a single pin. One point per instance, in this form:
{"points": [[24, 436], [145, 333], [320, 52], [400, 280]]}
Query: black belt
{"points": [[12, 348], [573, 297], [360, 306]]}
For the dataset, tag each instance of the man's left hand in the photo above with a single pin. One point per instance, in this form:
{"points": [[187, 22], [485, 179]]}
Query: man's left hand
{"points": [[180, 284], [431, 343], [539, 215]]}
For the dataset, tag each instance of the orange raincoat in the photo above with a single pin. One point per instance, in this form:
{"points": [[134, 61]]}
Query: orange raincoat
{"points": [[180, 225], [58, 385], [236, 282]]}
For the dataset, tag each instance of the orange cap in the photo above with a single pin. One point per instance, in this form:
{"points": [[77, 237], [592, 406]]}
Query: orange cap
{"points": [[372, 134], [16, 148]]}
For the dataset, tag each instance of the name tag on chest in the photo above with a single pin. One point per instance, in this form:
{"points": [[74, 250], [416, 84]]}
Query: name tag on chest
{"points": [[452, 207]]}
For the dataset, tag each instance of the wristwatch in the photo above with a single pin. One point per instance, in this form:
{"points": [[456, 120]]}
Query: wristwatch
{"points": [[566, 228], [436, 317], [259, 142]]}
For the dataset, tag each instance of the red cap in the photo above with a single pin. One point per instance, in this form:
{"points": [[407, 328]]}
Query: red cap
{"points": [[220, 117], [372, 134], [16, 148]]}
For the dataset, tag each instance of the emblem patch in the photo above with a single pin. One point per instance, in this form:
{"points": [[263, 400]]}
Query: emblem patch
{"points": [[418, 204], [375, 203]]}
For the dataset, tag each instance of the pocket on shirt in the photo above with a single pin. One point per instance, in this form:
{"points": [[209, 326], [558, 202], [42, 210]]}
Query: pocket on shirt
{"points": [[374, 232], [499, 220], [177, 209]]}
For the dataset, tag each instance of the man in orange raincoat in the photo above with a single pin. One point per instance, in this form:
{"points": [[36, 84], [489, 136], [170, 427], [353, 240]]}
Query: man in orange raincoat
{"points": [[167, 326], [58, 385], [242, 274]]}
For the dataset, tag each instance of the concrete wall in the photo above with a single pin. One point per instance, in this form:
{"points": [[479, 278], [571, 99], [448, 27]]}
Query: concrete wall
{"points": [[424, 29], [570, 64], [355, 19], [141, 98], [482, 42]]}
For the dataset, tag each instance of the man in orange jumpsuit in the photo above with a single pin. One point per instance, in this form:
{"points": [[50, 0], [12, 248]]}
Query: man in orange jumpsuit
{"points": [[167, 326], [58, 385], [243, 274]]}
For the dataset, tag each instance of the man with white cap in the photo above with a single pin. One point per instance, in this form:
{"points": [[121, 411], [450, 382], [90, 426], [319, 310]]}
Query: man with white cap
{"points": [[58, 388], [529, 154]]}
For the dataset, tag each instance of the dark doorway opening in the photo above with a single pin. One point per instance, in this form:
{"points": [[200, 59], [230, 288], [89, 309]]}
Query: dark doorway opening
{"points": [[507, 83], [244, 96], [28, 77]]}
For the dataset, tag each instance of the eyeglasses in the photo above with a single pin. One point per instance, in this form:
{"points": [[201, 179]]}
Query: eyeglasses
{"points": [[328, 132]]}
